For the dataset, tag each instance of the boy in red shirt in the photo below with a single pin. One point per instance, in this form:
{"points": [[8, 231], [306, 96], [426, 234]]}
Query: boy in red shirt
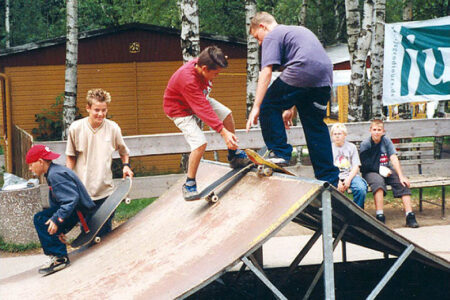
{"points": [[186, 96]]}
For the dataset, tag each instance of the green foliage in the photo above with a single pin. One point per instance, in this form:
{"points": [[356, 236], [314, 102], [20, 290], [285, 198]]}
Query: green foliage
{"points": [[10, 247], [50, 121], [126, 211]]}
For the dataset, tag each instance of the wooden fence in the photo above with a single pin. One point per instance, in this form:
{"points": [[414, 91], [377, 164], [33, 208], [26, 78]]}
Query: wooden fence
{"points": [[174, 143], [21, 143]]}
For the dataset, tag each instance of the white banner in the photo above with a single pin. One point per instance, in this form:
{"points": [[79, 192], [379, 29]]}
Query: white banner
{"points": [[417, 61]]}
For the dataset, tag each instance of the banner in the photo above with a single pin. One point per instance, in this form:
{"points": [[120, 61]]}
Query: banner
{"points": [[417, 61]]}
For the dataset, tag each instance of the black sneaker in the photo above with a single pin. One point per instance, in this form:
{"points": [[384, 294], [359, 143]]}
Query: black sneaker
{"points": [[381, 218], [411, 220], [239, 160], [190, 192], [54, 264], [273, 158]]}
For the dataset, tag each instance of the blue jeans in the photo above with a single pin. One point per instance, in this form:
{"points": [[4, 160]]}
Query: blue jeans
{"points": [[358, 186], [51, 243], [311, 104]]}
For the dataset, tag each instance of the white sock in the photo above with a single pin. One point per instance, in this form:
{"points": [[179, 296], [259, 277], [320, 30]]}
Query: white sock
{"points": [[407, 212], [379, 212]]}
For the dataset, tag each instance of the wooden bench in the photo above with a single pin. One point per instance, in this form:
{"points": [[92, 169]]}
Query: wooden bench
{"points": [[420, 154]]}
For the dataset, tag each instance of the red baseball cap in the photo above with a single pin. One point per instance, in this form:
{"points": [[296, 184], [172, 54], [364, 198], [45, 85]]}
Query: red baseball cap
{"points": [[40, 151]]}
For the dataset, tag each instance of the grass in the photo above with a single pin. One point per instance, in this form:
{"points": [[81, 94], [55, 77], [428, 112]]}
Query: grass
{"points": [[11, 247], [431, 193], [126, 211]]}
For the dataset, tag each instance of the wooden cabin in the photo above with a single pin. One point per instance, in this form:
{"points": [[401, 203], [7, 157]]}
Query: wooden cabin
{"points": [[134, 63]]}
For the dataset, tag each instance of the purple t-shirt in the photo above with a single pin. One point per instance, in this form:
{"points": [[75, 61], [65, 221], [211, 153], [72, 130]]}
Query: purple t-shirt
{"points": [[300, 55]]}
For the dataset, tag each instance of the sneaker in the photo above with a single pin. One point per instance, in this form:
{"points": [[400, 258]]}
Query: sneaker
{"points": [[190, 192], [239, 160], [381, 218], [273, 158], [54, 264], [411, 220]]}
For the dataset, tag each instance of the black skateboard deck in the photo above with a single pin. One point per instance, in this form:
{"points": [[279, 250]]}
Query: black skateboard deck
{"points": [[218, 188], [105, 211]]}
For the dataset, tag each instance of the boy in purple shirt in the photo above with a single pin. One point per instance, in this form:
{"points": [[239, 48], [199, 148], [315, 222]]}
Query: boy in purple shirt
{"points": [[305, 83]]}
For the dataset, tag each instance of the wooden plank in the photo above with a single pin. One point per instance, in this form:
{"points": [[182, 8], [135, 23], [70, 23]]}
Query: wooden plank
{"points": [[415, 145], [416, 153]]}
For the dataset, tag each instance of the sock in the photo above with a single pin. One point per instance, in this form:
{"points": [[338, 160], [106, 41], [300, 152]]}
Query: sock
{"points": [[380, 212], [231, 153], [190, 181], [408, 212]]}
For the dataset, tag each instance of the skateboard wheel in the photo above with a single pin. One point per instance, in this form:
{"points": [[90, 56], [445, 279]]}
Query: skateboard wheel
{"points": [[127, 200], [214, 199], [268, 172], [97, 239], [260, 173], [260, 168]]}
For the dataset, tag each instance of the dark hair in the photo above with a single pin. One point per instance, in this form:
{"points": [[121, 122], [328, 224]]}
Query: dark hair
{"points": [[213, 58]]}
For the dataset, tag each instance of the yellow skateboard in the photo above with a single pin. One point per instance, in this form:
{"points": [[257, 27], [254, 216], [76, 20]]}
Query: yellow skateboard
{"points": [[261, 162]]}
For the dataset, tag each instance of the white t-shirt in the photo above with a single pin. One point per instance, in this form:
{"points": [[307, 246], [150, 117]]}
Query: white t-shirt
{"points": [[345, 157], [93, 149]]}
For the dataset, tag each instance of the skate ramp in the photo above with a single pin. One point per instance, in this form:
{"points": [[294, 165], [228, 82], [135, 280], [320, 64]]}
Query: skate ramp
{"points": [[173, 247]]}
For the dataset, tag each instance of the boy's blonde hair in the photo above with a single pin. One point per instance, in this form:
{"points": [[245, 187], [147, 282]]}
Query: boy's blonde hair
{"points": [[259, 18], [376, 122], [99, 95], [339, 127]]}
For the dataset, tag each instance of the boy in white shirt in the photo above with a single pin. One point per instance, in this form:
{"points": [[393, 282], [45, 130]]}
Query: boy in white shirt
{"points": [[346, 158], [90, 145]]}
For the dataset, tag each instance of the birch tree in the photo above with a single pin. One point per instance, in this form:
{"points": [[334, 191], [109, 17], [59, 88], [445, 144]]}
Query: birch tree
{"points": [[70, 89], [377, 56], [7, 30], [190, 31], [252, 55], [359, 40], [190, 46], [302, 16]]}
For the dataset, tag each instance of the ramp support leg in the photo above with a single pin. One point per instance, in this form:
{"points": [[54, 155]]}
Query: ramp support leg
{"points": [[263, 278], [327, 236], [321, 269], [398, 263]]}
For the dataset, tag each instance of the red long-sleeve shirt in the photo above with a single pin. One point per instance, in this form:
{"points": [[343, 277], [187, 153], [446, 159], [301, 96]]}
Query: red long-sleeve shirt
{"points": [[185, 95]]}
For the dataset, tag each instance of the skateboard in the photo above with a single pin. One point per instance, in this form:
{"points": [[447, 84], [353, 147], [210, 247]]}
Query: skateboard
{"points": [[102, 214], [216, 189], [261, 162]]}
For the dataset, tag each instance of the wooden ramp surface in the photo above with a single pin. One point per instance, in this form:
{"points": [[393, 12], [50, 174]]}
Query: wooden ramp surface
{"points": [[173, 247]]}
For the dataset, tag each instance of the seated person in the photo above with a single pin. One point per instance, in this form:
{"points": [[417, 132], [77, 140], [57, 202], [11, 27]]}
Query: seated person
{"points": [[376, 153], [346, 158]]}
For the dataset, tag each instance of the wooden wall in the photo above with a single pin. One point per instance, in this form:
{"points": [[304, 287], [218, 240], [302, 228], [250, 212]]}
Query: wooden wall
{"points": [[136, 89]]}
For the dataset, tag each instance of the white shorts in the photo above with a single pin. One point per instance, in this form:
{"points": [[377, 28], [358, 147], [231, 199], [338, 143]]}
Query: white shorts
{"points": [[192, 132]]}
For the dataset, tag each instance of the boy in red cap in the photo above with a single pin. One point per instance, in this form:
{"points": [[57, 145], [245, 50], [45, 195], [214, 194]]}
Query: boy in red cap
{"points": [[66, 195]]}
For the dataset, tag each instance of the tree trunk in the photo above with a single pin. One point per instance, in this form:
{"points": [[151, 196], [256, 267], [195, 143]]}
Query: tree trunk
{"points": [[377, 59], [70, 90], [7, 30], [319, 22], [359, 41], [339, 16], [252, 55], [190, 47], [407, 10], [190, 31], [303, 13]]}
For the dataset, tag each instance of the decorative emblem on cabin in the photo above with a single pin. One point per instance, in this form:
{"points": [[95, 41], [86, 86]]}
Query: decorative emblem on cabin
{"points": [[134, 47]]}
